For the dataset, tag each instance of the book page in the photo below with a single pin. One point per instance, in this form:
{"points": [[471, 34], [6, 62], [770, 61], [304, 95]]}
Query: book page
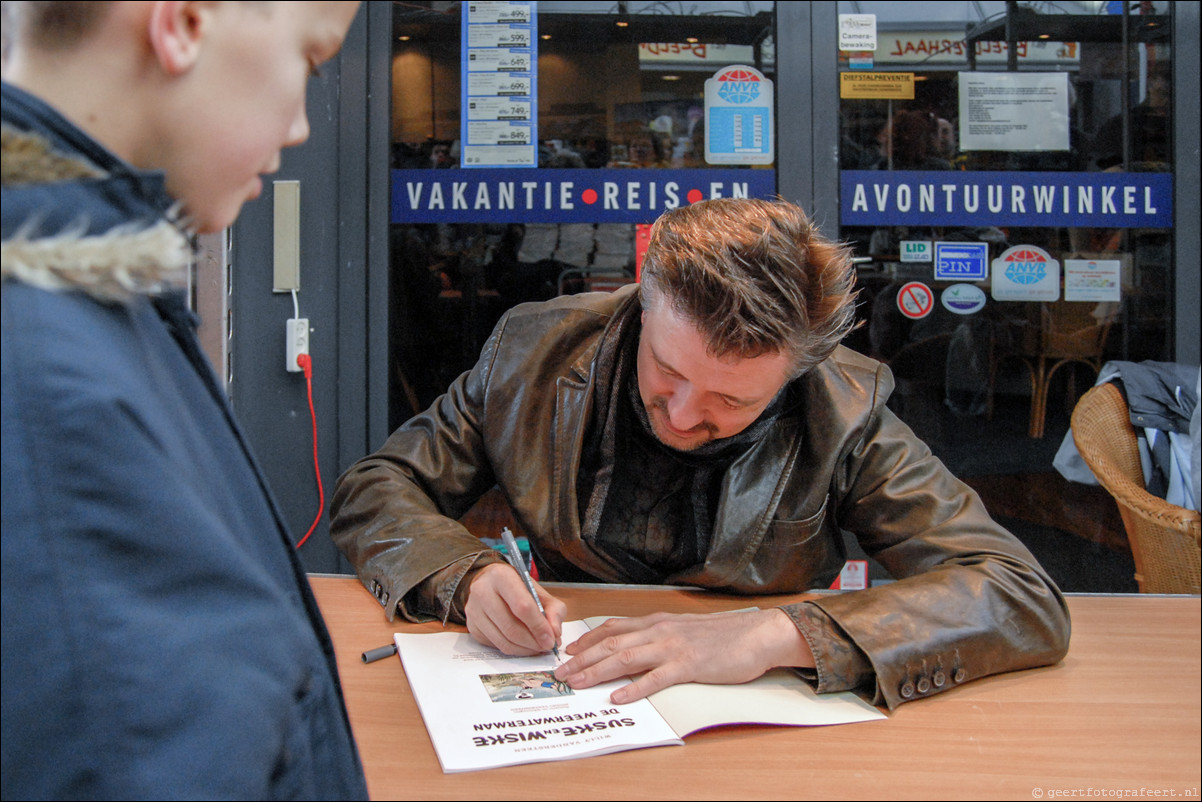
{"points": [[484, 709], [779, 697]]}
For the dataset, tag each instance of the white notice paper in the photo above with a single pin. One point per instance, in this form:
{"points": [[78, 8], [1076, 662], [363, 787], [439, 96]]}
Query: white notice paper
{"points": [[1092, 280], [1014, 111]]}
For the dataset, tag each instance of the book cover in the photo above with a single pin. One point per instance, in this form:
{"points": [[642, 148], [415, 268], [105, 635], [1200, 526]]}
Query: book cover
{"points": [[484, 709]]}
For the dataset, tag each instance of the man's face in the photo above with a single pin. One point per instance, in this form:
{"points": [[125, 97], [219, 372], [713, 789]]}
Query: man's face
{"points": [[242, 102], [692, 397]]}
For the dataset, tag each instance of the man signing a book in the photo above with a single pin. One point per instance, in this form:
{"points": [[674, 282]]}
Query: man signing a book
{"points": [[701, 428]]}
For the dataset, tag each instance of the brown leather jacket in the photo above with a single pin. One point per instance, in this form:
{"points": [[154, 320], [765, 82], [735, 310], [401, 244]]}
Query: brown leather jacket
{"points": [[969, 599]]}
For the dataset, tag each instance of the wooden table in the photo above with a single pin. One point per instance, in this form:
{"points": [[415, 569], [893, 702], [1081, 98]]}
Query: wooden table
{"points": [[1120, 714]]}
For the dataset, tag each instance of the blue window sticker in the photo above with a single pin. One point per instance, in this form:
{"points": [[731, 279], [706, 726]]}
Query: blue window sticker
{"points": [[738, 117], [961, 261]]}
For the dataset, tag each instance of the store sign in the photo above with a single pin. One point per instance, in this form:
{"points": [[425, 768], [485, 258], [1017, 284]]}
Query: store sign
{"points": [[695, 53], [857, 32], [564, 196], [876, 85], [499, 97], [963, 299], [738, 117], [1026, 273], [915, 300], [961, 261], [915, 250], [1092, 280], [931, 48], [951, 197]]}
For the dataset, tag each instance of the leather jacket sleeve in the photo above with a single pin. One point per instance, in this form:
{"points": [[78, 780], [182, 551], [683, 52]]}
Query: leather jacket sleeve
{"points": [[968, 600], [393, 513]]}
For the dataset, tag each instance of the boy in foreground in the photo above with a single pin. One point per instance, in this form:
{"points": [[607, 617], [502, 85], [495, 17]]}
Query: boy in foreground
{"points": [[161, 640]]}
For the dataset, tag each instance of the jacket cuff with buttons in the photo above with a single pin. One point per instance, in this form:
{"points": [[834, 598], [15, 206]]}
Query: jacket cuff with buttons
{"points": [[441, 596], [840, 665]]}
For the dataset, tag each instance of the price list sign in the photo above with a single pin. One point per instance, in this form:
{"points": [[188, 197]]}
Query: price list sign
{"points": [[738, 117], [500, 84]]}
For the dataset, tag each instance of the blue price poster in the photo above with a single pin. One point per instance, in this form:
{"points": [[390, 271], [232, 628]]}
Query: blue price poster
{"points": [[738, 117], [499, 118]]}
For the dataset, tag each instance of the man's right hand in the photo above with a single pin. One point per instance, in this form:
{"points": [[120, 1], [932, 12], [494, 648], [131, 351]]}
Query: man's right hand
{"points": [[501, 613]]}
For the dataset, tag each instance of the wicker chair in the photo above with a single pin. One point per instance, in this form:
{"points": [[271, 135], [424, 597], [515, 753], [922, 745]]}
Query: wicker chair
{"points": [[1163, 536], [1069, 333]]}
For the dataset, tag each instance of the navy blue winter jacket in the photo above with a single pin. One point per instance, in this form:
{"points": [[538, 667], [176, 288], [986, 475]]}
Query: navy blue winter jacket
{"points": [[160, 639]]}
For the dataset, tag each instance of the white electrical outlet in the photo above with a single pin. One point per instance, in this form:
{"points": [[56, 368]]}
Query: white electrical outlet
{"points": [[296, 338]]}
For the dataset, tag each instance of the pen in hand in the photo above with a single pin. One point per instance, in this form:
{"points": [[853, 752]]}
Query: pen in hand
{"points": [[515, 559]]}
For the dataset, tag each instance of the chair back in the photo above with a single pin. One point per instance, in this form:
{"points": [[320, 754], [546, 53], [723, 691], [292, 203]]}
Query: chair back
{"points": [[1164, 537], [1072, 330]]}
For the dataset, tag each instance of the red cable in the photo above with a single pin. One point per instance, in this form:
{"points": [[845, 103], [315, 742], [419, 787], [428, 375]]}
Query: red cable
{"points": [[306, 363]]}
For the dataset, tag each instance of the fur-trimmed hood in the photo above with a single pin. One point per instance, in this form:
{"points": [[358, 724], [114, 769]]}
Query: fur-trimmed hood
{"points": [[54, 207]]}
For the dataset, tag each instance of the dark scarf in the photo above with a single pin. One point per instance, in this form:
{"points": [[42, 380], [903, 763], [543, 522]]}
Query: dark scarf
{"points": [[650, 507]]}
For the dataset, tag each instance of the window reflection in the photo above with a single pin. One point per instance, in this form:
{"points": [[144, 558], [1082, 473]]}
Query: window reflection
{"points": [[991, 390], [609, 97]]}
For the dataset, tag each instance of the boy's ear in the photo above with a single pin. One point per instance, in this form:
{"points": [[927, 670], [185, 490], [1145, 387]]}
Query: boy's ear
{"points": [[177, 29]]}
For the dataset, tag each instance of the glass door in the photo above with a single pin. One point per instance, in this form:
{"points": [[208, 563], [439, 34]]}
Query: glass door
{"points": [[1007, 181], [532, 144]]}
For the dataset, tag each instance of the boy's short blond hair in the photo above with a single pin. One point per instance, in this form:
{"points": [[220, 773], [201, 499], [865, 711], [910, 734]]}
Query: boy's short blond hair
{"points": [[51, 24]]}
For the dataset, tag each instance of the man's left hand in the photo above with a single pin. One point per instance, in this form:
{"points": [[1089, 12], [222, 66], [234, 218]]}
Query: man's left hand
{"points": [[667, 649]]}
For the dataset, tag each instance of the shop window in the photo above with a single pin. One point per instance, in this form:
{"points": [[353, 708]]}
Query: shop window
{"points": [[615, 90], [1006, 180]]}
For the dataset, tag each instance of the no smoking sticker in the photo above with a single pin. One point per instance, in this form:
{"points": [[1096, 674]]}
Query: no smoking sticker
{"points": [[915, 300]]}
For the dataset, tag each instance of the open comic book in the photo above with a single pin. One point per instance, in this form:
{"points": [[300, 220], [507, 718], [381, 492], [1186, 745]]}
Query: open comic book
{"points": [[484, 709]]}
